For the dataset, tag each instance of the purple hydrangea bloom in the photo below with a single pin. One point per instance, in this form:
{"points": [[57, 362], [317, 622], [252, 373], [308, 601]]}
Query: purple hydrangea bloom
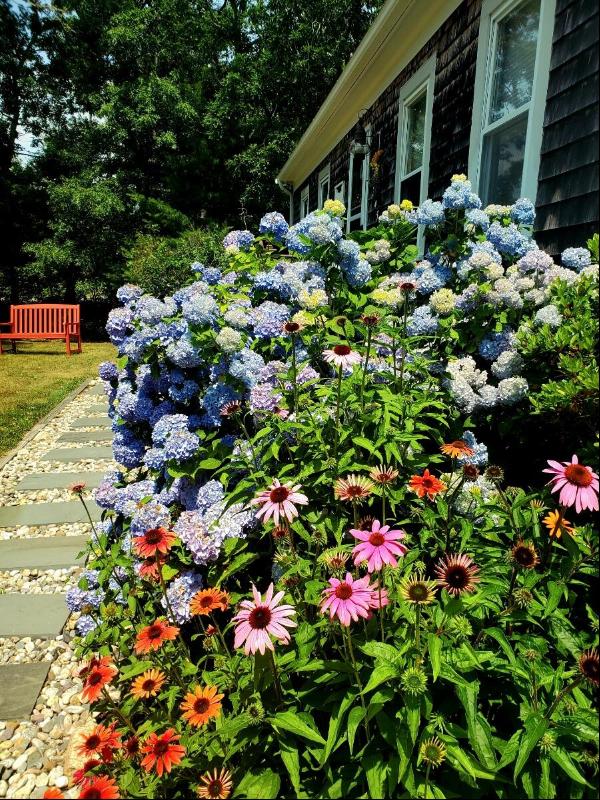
{"points": [[179, 593], [269, 318], [129, 293], [181, 446], [509, 239], [264, 398], [85, 624], [128, 450], [148, 516], [166, 425], [78, 599], [119, 324], [240, 239], [245, 366], [108, 371], [215, 398], [183, 353], [275, 224]]}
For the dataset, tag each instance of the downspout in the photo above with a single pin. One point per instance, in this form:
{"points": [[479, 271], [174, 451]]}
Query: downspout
{"points": [[288, 188]]}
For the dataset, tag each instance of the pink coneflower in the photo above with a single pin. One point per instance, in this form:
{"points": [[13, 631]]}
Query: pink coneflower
{"points": [[342, 356], [260, 619], [379, 597], [278, 501], [348, 599], [378, 546], [353, 488], [578, 485], [457, 573]]}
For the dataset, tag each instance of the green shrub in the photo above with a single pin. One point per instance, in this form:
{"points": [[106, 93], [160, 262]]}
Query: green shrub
{"points": [[161, 264]]}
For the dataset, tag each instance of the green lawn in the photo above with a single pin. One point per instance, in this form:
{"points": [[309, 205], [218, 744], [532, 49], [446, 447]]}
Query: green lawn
{"points": [[38, 377]]}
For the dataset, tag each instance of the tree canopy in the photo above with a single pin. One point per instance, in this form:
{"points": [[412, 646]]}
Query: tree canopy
{"points": [[150, 117]]}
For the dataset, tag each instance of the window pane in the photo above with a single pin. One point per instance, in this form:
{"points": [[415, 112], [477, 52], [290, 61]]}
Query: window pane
{"points": [[357, 185], [502, 164], [516, 43], [415, 134], [410, 188], [324, 191]]}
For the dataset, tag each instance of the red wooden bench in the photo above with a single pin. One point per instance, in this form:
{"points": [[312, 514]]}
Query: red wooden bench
{"points": [[43, 321]]}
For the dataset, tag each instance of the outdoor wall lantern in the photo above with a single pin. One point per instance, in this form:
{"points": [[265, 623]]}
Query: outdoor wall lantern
{"points": [[360, 136]]}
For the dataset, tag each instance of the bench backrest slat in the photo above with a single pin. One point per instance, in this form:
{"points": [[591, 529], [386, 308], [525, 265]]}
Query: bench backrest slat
{"points": [[42, 317]]}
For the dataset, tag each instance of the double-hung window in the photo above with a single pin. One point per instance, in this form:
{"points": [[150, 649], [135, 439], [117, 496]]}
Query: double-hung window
{"points": [[414, 135], [358, 188], [324, 184], [513, 63], [304, 197]]}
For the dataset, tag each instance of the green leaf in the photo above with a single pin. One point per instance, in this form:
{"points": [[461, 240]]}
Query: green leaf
{"points": [[534, 730], [435, 654], [335, 723], [255, 786], [380, 675], [375, 770], [355, 717], [564, 761], [210, 464], [291, 760], [290, 721], [136, 669]]}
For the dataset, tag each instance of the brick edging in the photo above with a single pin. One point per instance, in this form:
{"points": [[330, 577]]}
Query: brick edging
{"points": [[44, 421]]}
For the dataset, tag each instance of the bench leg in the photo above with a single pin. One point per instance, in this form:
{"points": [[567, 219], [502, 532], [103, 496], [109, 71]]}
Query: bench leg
{"points": [[68, 343]]}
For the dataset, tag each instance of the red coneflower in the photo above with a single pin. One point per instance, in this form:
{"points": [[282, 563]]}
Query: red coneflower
{"points": [[162, 753], [231, 409], [353, 488], [148, 569], [131, 747], [148, 684], [201, 704], [426, 484], [457, 449], [208, 600], [589, 665], [80, 774], [153, 541], [99, 674], [216, 786], [53, 793], [100, 788], [470, 472], [383, 475], [370, 320], [457, 574], [152, 637], [77, 488], [100, 741]]}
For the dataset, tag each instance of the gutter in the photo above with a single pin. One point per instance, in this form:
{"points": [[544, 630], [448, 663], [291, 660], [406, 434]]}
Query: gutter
{"points": [[288, 188]]}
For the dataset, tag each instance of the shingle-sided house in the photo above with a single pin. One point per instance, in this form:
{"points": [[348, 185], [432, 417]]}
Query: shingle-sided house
{"points": [[505, 91]]}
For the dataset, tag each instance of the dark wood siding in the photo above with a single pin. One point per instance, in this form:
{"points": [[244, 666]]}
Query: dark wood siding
{"points": [[567, 199], [455, 46]]}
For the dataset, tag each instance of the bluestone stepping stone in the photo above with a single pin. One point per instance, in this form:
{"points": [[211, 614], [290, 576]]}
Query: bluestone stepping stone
{"points": [[86, 436], [98, 388], [20, 686], [46, 514], [59, 480], [49, 552], [66, 455], [40, 616], [98, 408], [91, 422]]}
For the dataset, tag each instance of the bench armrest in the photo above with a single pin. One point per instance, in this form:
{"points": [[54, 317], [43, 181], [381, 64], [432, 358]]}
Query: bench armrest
{"points": [[6, 324], [73, 325]]}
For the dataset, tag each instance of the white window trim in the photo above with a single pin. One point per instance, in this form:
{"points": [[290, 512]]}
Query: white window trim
{"points": [[422, 81], [491, 13], [304, 197], [339, 192], [324, 176], [364, 204]]}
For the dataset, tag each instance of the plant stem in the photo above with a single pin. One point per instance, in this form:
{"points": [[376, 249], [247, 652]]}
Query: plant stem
{"points": [[418, 631], [511, 586], [294, 373], [358, 681], [366, 364], [337, 414], [383, 511], [125, 720], [427, 771], [560, 696], [275, 676]]}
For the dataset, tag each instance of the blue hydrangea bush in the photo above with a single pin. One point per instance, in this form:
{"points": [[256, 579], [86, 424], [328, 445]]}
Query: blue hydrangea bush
{"points": [[371, 383]]}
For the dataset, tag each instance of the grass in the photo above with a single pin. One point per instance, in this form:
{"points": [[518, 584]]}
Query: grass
{"points": [[38, 377]]}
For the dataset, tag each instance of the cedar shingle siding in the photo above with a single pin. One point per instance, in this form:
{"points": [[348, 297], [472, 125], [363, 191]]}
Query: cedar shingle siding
{"points": [[567, 197]]}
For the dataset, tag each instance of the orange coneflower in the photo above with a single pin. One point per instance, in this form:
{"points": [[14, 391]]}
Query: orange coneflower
{"points": [[457, 574], [53, 793], [426, 484], [383, 474], [148, 684], [131, 747], [100, 787], [217, 786], [100, 741], [208, 600], [457, 449], [162, 752], [153, 541], [557, 524], [152, 637], [353, 488], [77, 488], [524, 555], [98, 674], [201, 704]]}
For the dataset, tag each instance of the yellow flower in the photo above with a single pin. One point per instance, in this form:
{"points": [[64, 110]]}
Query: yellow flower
{"points": [[312, 300], [387, 297], [458, 177], [406, 205], [335, 207], [394, 211], [303, 318], [557, 524]]}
